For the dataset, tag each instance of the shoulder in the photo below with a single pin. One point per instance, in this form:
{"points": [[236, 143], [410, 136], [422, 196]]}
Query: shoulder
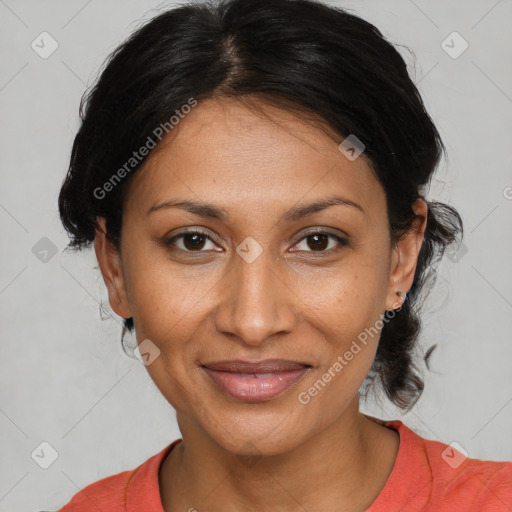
{"points": [[117, 492], [106, 494], [457, 481], [480, 485]]}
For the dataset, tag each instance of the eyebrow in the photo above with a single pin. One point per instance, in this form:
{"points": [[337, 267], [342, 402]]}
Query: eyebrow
{"points": [[294, 214]]}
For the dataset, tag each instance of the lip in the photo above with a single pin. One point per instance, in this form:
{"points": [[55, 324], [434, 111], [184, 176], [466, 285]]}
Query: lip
{"points": [[255, 381]]}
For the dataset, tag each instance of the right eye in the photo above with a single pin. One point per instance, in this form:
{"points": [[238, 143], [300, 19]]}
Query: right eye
{"points": [[191, 241]]}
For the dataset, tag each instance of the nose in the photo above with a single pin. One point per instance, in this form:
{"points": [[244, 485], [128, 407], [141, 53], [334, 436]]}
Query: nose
{"points": [[258, 301]]}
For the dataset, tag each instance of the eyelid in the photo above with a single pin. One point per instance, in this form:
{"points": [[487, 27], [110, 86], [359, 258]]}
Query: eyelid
{"points": [[324, 231], [168, 240], [342, 239]]}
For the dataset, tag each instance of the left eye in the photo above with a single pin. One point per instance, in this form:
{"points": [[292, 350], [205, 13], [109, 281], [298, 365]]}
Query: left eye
{"points": [[319, 241]]}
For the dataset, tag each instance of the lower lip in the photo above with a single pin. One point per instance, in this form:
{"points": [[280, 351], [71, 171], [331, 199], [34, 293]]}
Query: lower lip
{"points": [[255, 389]]}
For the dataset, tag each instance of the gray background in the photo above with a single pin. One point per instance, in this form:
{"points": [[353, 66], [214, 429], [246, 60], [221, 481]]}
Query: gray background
{"points": [[64, 377]]}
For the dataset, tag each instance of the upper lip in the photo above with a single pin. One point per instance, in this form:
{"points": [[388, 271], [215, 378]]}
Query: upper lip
{"points": [[265, 366]]}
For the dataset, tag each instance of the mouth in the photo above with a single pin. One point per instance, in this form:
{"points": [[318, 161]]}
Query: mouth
{"points": [[255, 382]]}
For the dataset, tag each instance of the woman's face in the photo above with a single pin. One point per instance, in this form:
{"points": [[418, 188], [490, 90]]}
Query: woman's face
{"points": [[259, 282]]}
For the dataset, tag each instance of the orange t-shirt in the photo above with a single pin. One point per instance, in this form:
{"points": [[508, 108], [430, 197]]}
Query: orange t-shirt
{"points": [[428, 476]]}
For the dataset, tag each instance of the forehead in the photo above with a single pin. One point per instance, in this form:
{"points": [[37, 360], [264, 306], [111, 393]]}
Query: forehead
{"points": [[226, 151]]}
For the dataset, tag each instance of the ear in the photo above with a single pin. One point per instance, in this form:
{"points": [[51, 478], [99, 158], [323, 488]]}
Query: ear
{"points": [[111, 268], [405, 257]]}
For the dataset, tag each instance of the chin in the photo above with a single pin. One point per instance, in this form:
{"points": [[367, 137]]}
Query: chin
{"points": [[258, 434]]}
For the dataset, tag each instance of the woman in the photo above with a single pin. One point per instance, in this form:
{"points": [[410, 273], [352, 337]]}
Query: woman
{"points": [[251, 173]]}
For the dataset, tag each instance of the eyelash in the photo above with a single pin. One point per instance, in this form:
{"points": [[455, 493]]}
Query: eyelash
{"points": [[343, 242]]}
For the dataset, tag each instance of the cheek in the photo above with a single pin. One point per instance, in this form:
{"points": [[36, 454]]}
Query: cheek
{"points": [[347, 297], [165, 298], [168, 299], [347, 330], [344, 307]]}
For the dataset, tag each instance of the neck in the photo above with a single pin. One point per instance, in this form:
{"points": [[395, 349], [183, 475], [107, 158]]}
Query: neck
{"points": [[344, 467]]}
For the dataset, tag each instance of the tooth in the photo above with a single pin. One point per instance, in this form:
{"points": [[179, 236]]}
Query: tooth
{"points": [[263, 375]]}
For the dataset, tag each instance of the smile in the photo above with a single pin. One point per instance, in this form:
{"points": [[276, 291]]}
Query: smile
{"points": [[254, 382]]}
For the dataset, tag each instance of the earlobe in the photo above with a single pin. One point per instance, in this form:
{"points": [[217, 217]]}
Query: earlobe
{"points": [[405, 257], [109, 261]]}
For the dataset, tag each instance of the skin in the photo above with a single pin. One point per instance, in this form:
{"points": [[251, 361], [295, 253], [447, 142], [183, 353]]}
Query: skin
{"points": [[294, 301]]}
